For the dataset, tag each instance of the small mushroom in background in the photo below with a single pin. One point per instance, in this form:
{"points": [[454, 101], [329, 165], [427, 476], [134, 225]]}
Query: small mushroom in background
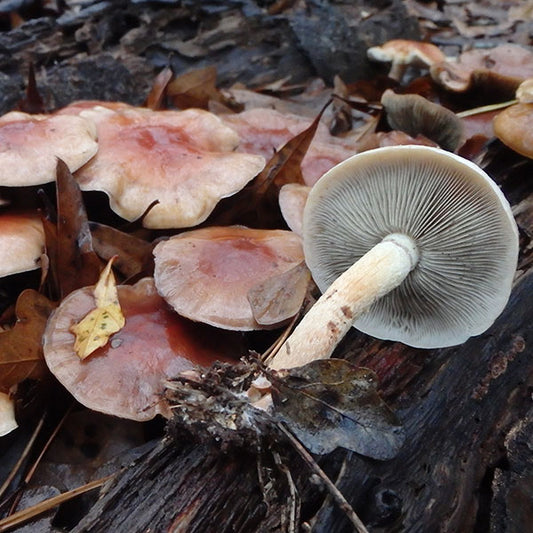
{"points": [[31, 145], [126, 377], [415, 115], [514, 127], [184, 159], [403, 53], [206, 274], [21, 241], [500, 69], [408, 243]]}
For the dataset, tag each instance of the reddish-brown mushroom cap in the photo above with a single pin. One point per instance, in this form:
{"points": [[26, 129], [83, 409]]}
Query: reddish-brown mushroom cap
{"points": [[206, 274], [31, 145], [514, 127], [265, 130], [126, 377], [183, 159], [21, 242]]}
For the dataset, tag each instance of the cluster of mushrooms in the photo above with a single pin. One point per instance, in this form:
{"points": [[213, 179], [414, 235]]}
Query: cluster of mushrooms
{"points": [[409, 243]]}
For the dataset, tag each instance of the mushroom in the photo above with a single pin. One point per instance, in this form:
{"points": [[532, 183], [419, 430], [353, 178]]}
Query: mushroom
{"points": [[183, 159], [206, 274], [31, 145], [514, 127], [500, 70], [21, 241], [126, 377], [409, 243], [8, 422], [416, 115], [292, 198], [402, 53]]}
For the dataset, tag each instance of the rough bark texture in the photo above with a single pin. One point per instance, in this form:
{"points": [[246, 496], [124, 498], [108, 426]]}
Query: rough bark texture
{"points": [[466, 464]]}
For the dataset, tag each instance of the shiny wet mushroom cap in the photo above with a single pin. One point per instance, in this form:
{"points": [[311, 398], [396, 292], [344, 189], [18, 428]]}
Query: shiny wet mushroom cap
{"points": [[126, 377], [207, 274], [514, 127], [409, 243]]}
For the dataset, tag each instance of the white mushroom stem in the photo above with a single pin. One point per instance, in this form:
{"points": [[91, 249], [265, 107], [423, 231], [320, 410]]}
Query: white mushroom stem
{"points": [[378, 272]]}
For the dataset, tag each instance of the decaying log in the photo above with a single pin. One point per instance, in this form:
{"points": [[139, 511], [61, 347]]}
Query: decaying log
{"points": [[457, 411]]}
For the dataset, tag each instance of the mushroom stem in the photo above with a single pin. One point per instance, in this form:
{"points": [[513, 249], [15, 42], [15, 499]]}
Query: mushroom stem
{"points": [[378, 272]]}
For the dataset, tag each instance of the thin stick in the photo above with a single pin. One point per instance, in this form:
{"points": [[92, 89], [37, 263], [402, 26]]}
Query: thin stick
{"points": [[37, 461], [273, 349], [335, 493], [23, 456], [35, 510], [485, 109]]}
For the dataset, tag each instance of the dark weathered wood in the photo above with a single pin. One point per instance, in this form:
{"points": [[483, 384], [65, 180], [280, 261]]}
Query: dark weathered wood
{"points": [[457, 412]]}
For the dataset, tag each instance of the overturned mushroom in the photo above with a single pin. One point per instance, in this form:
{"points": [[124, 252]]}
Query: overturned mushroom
{"points": [[31, 145], [183, 159], [409, 243], [207, 274], [126, 377]]}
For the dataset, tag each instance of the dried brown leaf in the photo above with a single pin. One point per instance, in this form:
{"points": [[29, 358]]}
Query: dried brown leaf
{"points": [[21, 354], [331, 403]]}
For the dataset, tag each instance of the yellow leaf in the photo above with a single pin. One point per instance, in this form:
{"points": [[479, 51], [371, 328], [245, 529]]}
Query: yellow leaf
{"points": [[94, 330]]}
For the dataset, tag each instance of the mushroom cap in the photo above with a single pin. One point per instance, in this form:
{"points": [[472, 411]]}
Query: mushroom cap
{"points": [[184, 159], [514, 127], [416, 115], [406, 52], [459, 219], [31, 145], [126, 377], [21, 241], [206, 274]]}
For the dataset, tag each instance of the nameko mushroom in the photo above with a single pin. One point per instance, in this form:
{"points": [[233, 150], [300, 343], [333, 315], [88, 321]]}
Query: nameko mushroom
{"points": [[409, 243]]}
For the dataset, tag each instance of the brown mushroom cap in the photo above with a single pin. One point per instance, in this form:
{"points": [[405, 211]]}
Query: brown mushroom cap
{"points": [[514, 127], [126, 377], [21, 242], [206, 274], [501, 69], [31, 145], [184, 159], [416, 115]]}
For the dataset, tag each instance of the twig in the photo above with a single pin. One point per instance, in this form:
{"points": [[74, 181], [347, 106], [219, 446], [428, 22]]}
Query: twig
{"points": [[294, 513], [335, 493], [23, 457], [35, 464], [485, 109], [35, 510]]}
